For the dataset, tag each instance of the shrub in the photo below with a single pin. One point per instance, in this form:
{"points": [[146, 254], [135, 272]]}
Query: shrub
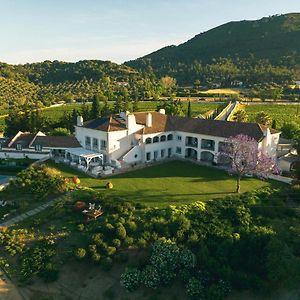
{"points": [[131, 279], [141, 243], [128, 241], [80, 227], [39, 181], [121, 231], [111, 250], [80, 253], [131, 226], [116, 243], [96, 257], [195, 289]]}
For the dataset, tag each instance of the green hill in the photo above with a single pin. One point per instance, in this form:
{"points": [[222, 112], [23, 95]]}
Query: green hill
{"points": [[50, 82], [269, 41]]}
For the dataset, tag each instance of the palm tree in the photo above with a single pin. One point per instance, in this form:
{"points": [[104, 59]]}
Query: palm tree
{"points": [[263, 118], [240, 116]]}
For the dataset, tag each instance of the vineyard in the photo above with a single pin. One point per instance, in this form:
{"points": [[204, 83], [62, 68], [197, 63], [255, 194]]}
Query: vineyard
{"points": [[279, 112]]}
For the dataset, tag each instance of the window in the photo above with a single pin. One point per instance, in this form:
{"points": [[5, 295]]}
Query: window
{"points": [[148, 156], [163, 138], [19, 147], [178, 137], [178, 150], [170, 137], [162, 153], [103, 144], [169, 152], [95, 144], [155, 155], [148, 141], [156, 139], [87, 142], [38, 147]]}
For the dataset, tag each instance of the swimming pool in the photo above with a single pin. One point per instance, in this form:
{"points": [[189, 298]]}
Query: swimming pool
{"points": [[3, 177]]}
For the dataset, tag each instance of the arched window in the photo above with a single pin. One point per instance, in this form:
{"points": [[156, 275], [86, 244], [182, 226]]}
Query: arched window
{"points": [[156, 139], [148, 141], [170, 137], [163, 138]]}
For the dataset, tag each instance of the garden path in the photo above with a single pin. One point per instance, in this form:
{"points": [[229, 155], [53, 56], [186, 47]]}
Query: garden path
{"points": [[30, 213]]}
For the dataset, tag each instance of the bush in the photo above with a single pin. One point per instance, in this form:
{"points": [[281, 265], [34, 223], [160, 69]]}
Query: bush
{"points": [[39, 181], [128, 241], [141, 243], [116, 243], [131, 279], [80, 253], [121, 231], [96, 257], [80, 227], [195, 289], [111, 251]]}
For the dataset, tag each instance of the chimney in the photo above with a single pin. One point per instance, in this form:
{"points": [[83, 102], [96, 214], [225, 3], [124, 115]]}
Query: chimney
{"points": [[131, 122], [162, 111], [149, 120], [79, 121]]}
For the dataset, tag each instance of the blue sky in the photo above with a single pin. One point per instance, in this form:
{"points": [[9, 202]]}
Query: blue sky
{"points": [[116, 30]]}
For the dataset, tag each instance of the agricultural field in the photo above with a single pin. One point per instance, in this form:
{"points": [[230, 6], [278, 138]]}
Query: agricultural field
{"points": [[280, 112]]}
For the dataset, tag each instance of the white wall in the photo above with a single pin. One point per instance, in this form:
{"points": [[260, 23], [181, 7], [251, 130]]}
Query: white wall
{"points": [[20, 155]]}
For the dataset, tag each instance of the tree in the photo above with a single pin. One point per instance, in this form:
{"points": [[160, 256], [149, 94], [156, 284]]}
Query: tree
{"points": [[60, 131], [240, 116], [263, 118], [290, 130], [85, 111], [105, 111], [96, 109], [168, 83], [245, 158], [172, 107], [189, 110]]}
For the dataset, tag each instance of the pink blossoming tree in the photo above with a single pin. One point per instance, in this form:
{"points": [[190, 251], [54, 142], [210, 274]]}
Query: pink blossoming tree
{"points": [[244, 158]]}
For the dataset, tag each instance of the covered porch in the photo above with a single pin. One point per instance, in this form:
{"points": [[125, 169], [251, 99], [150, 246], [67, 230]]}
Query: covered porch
{"points": [[83, 159]]}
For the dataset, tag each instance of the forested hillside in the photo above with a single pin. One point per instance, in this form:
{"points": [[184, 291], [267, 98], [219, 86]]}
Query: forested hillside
{"points": [[250, 51], [50, 82]]}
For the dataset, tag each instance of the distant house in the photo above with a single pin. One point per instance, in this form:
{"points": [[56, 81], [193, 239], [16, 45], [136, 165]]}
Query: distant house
{"points": [[36, 146], [237, 83]]}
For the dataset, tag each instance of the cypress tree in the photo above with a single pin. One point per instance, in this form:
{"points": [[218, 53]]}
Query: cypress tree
{"points": [[189, 110]]}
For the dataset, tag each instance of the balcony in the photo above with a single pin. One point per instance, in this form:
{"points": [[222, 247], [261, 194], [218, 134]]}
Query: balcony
{"points": [[191, 142], [208, 145]]}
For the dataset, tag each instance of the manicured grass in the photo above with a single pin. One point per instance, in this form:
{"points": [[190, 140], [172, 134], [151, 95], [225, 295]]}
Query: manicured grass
{"points": [[173, 183]]}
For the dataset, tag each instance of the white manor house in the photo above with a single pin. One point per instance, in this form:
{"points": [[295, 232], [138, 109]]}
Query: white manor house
{"points": [[132, 138]]}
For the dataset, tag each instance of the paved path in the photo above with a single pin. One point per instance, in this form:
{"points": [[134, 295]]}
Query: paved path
{"points": [[30, 213]]}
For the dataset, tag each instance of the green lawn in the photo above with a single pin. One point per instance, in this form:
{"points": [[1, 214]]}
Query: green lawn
{"points": [[173, 182]]}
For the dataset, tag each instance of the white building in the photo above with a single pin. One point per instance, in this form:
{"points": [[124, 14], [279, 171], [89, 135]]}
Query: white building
{"points": [[36, 146], [131, 138]]}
